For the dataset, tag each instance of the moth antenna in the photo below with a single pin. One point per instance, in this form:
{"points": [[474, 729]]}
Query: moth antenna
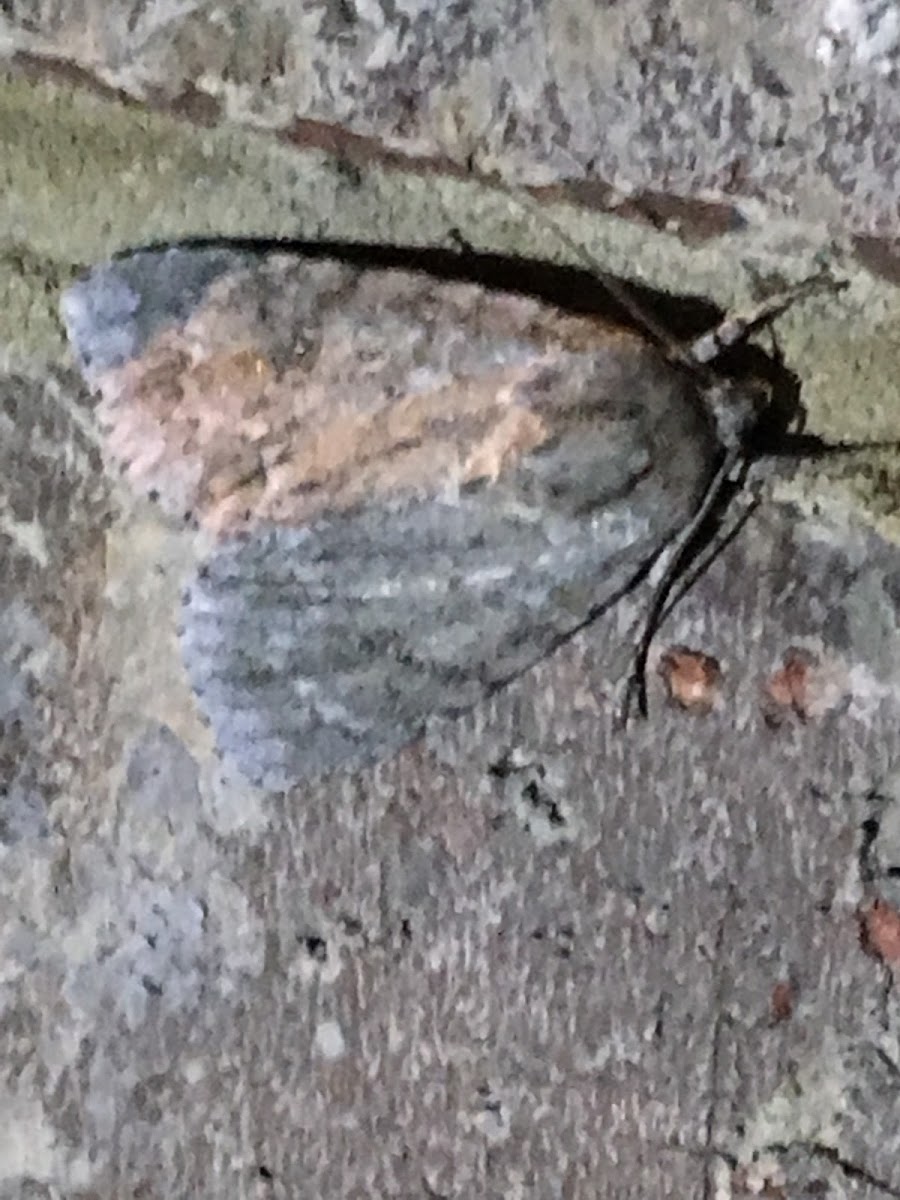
{"points": [[734, 329], [617, 289], [703, 350]]}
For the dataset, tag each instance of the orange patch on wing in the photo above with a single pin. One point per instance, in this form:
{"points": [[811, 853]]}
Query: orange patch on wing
{"points": [[234, 442]]}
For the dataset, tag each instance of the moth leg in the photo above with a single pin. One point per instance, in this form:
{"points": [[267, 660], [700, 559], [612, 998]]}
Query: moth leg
{"points": [[682, 548], [667, 597], [699, 569], [734, 329]]}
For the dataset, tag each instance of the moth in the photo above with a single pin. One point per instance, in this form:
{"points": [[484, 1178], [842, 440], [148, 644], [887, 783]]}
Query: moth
{"points": [[420, 476]]}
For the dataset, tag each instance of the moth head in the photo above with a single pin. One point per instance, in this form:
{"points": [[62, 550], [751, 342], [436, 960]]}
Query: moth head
{"points": [[737, 407]]}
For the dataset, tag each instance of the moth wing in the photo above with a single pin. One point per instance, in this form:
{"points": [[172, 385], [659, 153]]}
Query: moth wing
{"points": [[327, 646], [419, 485]]}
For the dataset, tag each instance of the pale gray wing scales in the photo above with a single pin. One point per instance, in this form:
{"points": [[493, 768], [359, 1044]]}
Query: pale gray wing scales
{"points": [[327, 646]]}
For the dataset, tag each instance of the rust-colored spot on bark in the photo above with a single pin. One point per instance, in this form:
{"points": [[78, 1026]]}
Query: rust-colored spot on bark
{"points": [[693, 679], [879, 929]]}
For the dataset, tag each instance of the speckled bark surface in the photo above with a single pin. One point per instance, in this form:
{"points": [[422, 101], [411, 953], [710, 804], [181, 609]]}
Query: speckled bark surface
{"points": [[530, 953], [529, 956], [792, 104]]}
